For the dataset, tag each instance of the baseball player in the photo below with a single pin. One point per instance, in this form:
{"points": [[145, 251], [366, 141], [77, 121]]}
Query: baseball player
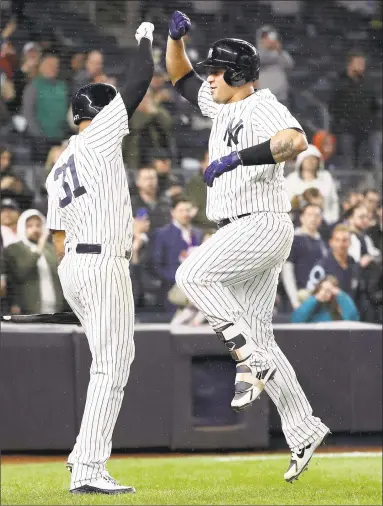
{"points": [[90, 215], [232, 277]]}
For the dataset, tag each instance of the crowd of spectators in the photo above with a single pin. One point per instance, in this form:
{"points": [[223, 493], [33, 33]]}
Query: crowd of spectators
{"points": [[334, 269]]}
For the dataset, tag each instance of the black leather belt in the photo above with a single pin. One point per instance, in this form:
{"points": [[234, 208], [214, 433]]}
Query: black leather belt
{"points": [[223, 223], [93, 249]]}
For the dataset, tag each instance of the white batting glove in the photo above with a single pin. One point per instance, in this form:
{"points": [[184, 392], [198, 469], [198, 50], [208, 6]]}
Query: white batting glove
{"points": [[145, 30]]}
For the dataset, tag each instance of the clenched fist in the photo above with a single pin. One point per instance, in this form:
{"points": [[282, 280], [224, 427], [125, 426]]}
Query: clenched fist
{"points": [[145, 30], [179, 25]]}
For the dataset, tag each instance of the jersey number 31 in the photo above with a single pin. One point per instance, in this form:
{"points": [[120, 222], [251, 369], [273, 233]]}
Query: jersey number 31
{"points": [[77, 190]]}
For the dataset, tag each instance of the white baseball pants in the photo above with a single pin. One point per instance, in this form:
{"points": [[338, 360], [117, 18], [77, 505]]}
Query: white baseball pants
{"points": [[232, 279], [98, 289]]}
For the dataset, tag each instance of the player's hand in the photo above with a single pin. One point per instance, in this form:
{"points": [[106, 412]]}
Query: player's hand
{"points": [[145, 31], [179, 25], [218, 167]]}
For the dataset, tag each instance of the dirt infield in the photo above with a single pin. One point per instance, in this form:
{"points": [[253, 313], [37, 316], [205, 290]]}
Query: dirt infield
{"points": [[22, 458]]}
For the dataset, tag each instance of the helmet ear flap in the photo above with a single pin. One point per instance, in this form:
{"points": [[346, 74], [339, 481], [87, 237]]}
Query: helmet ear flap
{"points": [[235, 78]]}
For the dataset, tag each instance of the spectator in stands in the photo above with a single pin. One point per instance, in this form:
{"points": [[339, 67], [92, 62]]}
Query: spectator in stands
{"points": [[173, 243], [310, 173], [307, 249], [372, 310], [53, 155], [168, 184], [375, 231], [350, 200], [11, 185], [10, 213], [145, 285], [45, 103], [8, 93], [310, 196], [372, 200], [150, 128], [276, 63], [23, 75], [5, 116], [147, 198], [327, 303], [362, 249], [7, 58], [196, 190], [326, 144], [353, 108], [162, 93], [76, 65], [338, 263], [94, 66], [31, 266]]}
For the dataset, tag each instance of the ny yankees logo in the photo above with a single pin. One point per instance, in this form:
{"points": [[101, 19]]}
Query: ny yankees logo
{"points": [[232, 131]]}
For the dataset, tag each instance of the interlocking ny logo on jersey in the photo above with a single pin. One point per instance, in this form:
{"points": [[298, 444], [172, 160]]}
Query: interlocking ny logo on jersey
{"points": [[232, 131]]}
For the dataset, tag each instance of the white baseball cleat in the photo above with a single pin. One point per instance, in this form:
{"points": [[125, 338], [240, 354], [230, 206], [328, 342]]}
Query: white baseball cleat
{"points": [[104, 485], [299, 460], [249, 384]]}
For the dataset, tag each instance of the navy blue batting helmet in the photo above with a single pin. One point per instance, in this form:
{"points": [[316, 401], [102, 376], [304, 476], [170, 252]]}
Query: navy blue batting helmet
{"points": [[239, 58], [90, 100]]}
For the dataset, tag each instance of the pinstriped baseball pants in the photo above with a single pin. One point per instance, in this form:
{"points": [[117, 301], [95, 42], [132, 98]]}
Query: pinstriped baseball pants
{"points": [[232, 278], [98, 289]]}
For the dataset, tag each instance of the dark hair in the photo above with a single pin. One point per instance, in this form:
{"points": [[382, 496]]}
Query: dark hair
{"points": [[354, 53], [305, 206], [4, 149], [348, 214], [179, 199], [332, 305]]}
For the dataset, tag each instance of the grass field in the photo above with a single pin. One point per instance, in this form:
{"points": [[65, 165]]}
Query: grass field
{"points": [[331, 479]]}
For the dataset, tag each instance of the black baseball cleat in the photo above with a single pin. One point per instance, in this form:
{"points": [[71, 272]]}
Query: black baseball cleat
{"points": [[249, 384], [300, 460], [104, 485]]}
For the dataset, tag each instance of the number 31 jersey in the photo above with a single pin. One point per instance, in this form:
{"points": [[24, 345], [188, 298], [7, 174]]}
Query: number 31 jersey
{"points": [[88, 193]]}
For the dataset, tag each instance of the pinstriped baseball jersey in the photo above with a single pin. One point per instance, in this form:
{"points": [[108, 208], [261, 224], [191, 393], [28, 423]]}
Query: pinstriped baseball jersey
{"points": [[237, 126], [88, 188]]}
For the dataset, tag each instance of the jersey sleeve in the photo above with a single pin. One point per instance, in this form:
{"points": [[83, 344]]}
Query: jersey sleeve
{"points": [[108, 128], [270, 117], [205, 101], [54, 219]]}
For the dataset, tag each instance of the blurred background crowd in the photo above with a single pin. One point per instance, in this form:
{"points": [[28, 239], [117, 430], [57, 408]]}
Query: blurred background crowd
{"points": [[321, 59]]}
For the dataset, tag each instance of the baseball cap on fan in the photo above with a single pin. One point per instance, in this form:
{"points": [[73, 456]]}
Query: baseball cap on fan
{"points": [[9, 204], [269, 31], [31, 45]]}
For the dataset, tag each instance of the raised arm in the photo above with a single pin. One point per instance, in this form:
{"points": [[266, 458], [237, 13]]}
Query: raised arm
{"points": [[180, 70], [140, 71], [177, 61]]}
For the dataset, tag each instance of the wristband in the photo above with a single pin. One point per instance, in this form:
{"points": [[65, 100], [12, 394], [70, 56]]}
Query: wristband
{"points": [[257, 155]]}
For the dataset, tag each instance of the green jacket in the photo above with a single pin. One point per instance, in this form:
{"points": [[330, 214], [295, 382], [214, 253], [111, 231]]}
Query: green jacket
{"points": [[22, 273], [51, 107], [196, 190]]}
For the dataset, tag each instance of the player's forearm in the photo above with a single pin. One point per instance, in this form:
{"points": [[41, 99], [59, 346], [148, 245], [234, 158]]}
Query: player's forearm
{"points": [[177, 61], [139, 78], [284, 145], [287, 144]]}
